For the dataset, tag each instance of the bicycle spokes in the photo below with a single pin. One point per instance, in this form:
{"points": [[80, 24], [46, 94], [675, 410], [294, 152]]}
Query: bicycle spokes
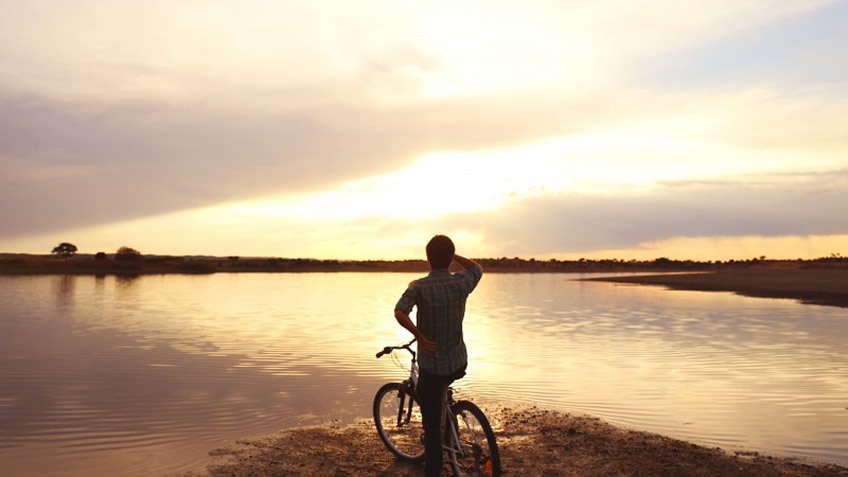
{"points": [[401, 407], [476, 452], [398, 421]]}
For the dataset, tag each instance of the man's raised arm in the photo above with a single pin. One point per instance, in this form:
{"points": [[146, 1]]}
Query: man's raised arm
{"points": [[465, 263]]}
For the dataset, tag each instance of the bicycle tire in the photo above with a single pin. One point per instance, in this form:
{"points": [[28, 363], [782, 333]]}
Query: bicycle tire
{"points": [[398, 420], [480, 456]]}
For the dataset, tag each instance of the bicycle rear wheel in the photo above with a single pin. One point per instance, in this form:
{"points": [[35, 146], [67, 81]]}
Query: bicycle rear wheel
{"points": [[479, 455], [398, 420]]}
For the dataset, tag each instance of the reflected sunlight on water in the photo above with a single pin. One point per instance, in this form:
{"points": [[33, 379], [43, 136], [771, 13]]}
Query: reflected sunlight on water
{"points": [[146, 375]]}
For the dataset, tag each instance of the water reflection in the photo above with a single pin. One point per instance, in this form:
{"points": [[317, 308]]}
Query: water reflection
{"points": [[64, 286], [153, 372]]}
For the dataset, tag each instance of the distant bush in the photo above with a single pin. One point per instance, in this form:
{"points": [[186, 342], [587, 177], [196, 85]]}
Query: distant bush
{"points": [[127, 253]]}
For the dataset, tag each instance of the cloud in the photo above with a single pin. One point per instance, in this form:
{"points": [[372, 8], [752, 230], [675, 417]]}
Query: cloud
{"points": [[74, 163], [113, 111], [742, 206], [731, 217], [125, 49]]}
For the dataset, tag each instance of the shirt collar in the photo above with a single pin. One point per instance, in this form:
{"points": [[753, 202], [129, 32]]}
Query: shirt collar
{"points": [[439, 271]]}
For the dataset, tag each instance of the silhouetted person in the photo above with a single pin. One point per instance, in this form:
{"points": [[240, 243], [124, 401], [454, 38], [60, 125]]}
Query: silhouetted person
{"points": [[440, 298]]}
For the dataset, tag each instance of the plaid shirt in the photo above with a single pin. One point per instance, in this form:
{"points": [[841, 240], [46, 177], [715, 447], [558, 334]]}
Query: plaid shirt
{"points": [[440, 298]]}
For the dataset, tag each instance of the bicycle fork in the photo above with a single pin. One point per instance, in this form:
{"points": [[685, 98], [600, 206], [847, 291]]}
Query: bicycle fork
{"points": [[405, 396]]}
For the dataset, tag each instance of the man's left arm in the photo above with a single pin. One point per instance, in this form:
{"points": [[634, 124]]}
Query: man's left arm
{"points": [[425, 344]]}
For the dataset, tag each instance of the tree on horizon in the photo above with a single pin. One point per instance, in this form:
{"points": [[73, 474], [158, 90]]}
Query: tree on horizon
{"points": [[65, 250]]}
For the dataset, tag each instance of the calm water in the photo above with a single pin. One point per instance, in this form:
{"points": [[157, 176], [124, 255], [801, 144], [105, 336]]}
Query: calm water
{"points": [[117, 376]]}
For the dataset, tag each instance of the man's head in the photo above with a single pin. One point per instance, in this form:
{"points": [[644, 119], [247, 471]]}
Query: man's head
{"points": [[440, 251]]}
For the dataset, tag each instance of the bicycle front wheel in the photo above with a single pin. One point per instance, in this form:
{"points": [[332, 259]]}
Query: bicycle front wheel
{"points": [[398, 420], [478, 453]]}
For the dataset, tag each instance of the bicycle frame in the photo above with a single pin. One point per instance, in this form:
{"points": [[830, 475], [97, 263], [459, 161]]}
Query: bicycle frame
{"points": [[452, 447]]}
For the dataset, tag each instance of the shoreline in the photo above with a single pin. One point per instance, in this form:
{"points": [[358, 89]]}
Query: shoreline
{"points": [[813, 286], [86, 264], [818, 282], [532, 442], [17, 264]]}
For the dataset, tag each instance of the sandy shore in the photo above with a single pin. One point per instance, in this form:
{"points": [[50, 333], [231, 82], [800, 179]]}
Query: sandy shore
{"points": [[533, 442], [819, 286]]}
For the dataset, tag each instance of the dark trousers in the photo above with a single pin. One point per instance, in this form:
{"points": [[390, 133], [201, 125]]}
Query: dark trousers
{"points": [[431, 388]]}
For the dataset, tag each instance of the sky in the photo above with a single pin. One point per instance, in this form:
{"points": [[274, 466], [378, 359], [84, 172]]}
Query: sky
{"points": [[357, 130]]}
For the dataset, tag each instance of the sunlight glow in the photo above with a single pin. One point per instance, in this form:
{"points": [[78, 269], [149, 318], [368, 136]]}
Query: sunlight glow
{"points": [[445, 183], [435, 185]]}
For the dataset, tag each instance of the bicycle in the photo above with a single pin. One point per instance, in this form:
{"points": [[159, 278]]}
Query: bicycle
{"points": [[468, 440]]}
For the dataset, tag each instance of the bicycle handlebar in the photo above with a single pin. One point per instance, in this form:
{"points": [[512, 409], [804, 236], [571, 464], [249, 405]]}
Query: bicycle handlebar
{"points": [[389, 349]]}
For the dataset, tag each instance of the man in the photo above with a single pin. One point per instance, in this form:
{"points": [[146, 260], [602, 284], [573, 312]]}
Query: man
{"points": [[440, 298]]}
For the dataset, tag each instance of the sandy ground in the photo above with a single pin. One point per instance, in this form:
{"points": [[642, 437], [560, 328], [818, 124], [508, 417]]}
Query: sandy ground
{"points": [[532, 441]]}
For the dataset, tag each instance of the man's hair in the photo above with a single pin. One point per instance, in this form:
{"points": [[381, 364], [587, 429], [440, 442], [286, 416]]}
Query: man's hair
{"points": [[440, 251]]}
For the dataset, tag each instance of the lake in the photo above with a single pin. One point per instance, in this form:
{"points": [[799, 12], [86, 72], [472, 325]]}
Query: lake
{"points": [[144, 376]]}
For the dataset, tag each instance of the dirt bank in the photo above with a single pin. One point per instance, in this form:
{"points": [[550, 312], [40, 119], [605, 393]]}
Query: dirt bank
{"points": [[533, 442], [819, 286]]}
